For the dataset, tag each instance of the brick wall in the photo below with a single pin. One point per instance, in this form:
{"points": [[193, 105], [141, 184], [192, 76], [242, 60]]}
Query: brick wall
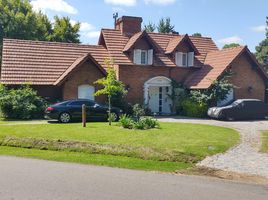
{"points": [[136, 76], [88, 73], [246, 77]]}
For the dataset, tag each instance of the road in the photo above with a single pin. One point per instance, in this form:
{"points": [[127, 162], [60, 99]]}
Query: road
{"points": [[32, 179]]}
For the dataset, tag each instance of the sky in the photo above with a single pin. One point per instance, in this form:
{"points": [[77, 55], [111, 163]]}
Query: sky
{"points": [[225, 21]]}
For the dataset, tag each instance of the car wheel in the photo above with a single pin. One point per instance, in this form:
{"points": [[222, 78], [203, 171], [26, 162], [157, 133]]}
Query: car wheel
{"points": [[65, 117]]}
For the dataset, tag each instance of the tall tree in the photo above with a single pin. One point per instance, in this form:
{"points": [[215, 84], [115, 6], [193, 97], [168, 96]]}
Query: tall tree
{"points": [[18, 20], [64, 31], [230, 45], [262, 49], [165, 26], [111, 86], [197, 34], [150, 27]]}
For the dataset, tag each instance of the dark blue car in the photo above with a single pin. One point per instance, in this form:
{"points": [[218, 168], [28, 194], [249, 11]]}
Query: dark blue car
{"points": [[71, 110]]}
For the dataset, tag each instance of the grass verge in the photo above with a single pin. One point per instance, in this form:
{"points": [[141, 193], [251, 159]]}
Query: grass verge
{"points": [[96, 159], [264, 147], [172, 147]]}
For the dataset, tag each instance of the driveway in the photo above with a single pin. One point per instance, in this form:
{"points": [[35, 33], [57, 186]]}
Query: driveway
{"points": [[30, 179], [243, 158]]}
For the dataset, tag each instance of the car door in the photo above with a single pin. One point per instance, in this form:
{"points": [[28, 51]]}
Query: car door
{"points": [[75, 108], [95, 111]]}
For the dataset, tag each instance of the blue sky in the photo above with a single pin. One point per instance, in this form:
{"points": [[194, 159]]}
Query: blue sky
{"points": [[226, 21]]}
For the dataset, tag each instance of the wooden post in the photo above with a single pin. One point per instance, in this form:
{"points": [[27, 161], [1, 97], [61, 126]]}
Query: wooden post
{"points": [[84, 115]]}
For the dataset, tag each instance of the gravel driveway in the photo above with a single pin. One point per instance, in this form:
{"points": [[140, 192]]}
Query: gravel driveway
{"points": [[243, 158]]}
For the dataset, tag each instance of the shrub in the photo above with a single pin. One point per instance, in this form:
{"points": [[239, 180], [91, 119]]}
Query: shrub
{"points": [[194, 109], [149, 122], [22, 103], [143, 123], [138, 111], [126, 122]]}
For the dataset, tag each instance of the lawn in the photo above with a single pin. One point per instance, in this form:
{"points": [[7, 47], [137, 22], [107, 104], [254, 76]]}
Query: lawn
{"points": [[264, 147], [172, 147]]}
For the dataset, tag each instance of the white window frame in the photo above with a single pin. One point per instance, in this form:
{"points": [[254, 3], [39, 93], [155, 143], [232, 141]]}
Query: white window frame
{"points": [[145, 52], [182, 59], [137, 57]]}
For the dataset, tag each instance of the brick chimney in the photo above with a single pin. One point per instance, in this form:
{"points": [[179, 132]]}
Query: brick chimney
{"points": [[129, 25]]}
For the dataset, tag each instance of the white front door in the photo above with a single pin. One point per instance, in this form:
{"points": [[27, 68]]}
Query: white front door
{"points": [[153, 99], [159, 102], [86, 92]]}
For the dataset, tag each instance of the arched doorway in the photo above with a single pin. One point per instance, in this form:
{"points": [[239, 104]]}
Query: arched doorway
{"points": [[86, 92], [156, 95]]}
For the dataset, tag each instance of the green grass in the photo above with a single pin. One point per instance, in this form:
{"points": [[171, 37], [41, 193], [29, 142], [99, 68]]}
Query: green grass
{"points": [[174, 139], [264, 147]]}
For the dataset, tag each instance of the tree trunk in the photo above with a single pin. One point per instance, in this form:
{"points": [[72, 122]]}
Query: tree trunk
{"points": [[109, 111]]}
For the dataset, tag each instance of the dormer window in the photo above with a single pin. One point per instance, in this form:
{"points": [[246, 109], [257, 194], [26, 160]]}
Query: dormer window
{"points": [[143, 57], [184, 59]]}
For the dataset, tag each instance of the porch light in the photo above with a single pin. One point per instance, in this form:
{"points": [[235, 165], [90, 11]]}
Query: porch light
{"points": [[250, 88]]}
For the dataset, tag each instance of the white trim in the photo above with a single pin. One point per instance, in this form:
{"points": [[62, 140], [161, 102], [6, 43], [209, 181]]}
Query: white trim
{"points": [[160, 81]]}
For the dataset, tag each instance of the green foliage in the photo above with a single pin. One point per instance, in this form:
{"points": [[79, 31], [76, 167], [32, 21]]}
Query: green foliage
{"points": [[262, 49], [22, 103], [197, 34], [111, 85], [217, 92], [126, 121], [150, 27], [138, 111], [178, 93], [64, 31], [142, 123], [191, 108], [230, 45], [164, 26]]}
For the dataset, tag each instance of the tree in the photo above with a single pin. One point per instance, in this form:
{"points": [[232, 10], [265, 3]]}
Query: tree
{"points": [[262, 49], [111, 86], [230, 45], [150, 27], [64, 31], [164, 26], [19, 21], [197, 34]]}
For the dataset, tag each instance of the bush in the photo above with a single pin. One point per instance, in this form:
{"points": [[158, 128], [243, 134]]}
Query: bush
{"points": [[138, 111], [142, 124], [194, 109], [126, 122], [22, 103]]}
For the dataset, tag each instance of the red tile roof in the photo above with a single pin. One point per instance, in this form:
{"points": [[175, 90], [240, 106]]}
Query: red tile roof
{"points": [[216, 62], [48, 63], [42, 63]]}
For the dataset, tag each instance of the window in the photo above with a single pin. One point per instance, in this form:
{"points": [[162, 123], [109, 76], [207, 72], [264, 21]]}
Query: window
{"points": [[143, 57], [184, 59]]}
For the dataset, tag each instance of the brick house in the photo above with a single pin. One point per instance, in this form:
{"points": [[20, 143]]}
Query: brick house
{"points": [[145, 62]]}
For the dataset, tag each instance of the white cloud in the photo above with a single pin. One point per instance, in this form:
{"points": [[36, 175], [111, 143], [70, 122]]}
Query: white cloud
{"points": [[118, 9], [258, 28], [228, 40], [160, 2], [122, 2], [84, 27], [54, 5], [93, 34]]}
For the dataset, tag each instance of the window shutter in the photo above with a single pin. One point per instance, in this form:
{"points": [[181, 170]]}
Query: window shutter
{"points": [[137, 56], [190, 59], [178, 58], [150, 56]]}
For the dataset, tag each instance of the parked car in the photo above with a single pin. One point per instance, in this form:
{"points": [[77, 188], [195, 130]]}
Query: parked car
{"points": [[71, 110], [240, 109]]}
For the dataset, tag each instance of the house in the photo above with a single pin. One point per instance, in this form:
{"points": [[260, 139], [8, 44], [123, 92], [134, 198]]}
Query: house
{"points": [[145, 62]]}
